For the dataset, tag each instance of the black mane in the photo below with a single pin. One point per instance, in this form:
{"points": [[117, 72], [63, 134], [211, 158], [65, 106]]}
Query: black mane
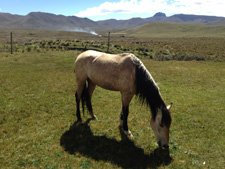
{"points": [[148, 92]]}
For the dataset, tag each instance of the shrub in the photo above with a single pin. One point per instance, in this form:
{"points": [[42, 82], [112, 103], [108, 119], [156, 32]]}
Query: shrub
{"points": [[188, 57], [162, 57], [28, 49]]}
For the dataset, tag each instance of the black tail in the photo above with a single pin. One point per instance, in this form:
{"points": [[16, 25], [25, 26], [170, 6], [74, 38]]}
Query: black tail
{"points": [[85, 99], [146, 89]]}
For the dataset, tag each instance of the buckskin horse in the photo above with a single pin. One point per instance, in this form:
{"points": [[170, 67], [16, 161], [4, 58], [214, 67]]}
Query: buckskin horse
{"points": [[127, 74]]}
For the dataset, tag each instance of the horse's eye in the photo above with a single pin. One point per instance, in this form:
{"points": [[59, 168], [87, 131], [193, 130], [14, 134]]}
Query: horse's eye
{"points": [[161, 125]]}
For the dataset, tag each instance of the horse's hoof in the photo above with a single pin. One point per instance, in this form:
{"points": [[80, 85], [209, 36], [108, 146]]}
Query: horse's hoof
{"points": [[94, 117], [128, 133]]}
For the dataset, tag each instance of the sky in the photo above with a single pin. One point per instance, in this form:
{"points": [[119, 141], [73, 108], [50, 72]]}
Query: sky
{"points": [[114, 9]]}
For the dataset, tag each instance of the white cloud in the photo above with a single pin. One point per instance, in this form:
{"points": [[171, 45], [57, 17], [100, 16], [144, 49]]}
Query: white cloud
{"points": [[200, 7], [110, 7]]}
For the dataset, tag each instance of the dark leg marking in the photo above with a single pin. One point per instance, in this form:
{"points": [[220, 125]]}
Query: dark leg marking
{"points": [[124, 115], [91, 88], [121, 116], [78, 107], [121, 119], [89, 106]]}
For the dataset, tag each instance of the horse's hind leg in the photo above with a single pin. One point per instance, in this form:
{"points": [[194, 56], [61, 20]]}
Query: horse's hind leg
{"points": [[78, 94], [91, 88], [78, 107]]}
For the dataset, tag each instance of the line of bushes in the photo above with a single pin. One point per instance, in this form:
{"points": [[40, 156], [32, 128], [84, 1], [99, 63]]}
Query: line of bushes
{"points": [[165, 54], [180, 57]]}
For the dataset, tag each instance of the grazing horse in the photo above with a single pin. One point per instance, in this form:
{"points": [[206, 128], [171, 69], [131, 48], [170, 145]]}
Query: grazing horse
{"points": [[127, 74]]}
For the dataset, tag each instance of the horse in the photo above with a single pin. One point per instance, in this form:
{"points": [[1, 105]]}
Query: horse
{"points": [[128, 75]]}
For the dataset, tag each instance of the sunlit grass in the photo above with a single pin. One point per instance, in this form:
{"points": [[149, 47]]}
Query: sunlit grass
{"points": [[37, 116]]}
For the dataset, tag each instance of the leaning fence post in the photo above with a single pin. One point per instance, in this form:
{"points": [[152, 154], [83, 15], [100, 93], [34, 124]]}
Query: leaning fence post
{"points": [[11, 43]]}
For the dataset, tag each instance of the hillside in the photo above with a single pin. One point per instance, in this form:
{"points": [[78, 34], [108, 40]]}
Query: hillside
{"points": [[45, 21], [48, 21], [166, 30]]}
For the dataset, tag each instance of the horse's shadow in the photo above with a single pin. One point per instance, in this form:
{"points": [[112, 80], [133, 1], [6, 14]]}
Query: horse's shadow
{"points": [[124, 153]]}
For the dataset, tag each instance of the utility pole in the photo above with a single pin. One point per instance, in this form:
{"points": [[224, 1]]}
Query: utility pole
{"points": [[11, 44], [108, 42]]}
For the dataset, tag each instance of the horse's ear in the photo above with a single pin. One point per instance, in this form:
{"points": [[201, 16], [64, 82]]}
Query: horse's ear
{"points": [[169, 106]]}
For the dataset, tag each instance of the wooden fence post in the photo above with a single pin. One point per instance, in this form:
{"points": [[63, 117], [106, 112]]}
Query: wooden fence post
{"points": [[11, 44], [108, 42]]}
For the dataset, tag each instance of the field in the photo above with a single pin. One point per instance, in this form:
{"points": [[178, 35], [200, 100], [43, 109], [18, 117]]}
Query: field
{"points": [[38, 126], [156, 47]]}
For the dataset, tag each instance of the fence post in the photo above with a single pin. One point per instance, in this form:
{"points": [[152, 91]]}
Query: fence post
{"points": [[108, 42], [11, 44]]}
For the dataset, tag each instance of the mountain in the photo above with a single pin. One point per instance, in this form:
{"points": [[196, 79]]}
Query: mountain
{"points": [[191, 18], [48, 21], [159, 14], [161, 17]]}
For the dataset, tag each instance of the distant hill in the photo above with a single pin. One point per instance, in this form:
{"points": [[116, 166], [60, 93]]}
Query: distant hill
{"points": [[6, 18], [163, 29], [161, 17], [48, 21]]}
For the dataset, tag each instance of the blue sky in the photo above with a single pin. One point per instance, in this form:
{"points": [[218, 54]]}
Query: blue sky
{"points": [[118, 9]]}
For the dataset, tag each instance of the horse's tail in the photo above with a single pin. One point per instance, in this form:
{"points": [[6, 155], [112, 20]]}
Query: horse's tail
{"points": [[84, 97]]}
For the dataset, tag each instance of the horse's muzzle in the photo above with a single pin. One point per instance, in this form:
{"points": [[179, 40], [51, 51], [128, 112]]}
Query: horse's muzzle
{"points": [[164, 146]]}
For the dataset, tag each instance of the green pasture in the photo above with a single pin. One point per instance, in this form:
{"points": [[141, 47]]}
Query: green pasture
{"points": [[38, 126]]}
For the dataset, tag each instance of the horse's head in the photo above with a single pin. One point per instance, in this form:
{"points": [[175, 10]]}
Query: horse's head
{"points": [[161, 124]]}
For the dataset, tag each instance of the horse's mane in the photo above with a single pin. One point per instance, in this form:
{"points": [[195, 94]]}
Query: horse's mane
{"points": [[148, 92]]}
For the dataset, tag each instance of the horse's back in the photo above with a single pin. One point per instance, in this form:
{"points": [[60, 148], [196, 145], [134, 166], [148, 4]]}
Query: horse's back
{"points": [[92, 59], [100, 57], [109, 71]]}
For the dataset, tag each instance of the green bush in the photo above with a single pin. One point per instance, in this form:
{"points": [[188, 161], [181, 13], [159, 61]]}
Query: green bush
{"points": [[162, 57], [188, 57]]}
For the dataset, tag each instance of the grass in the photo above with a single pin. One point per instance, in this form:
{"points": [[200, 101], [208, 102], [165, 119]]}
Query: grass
{"points": [[38, 126]]}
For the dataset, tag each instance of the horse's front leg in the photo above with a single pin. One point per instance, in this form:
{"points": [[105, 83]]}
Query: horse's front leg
{"points": [[126, 98], [121, 119], [125, 116]]}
